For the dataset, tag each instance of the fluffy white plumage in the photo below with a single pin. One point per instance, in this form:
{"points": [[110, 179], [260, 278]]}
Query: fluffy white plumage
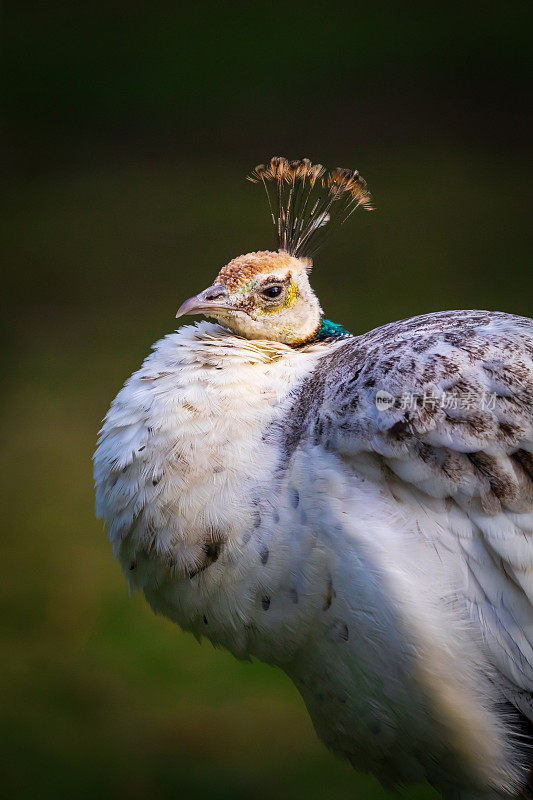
{"points": [[257, 496], [381, 553]]}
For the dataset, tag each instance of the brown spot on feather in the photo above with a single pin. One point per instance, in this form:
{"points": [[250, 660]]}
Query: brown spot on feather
{"points": [[525, 460], [330, 595], [212, 549]]}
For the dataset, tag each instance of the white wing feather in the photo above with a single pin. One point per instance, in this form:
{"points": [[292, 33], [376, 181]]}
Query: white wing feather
{"points": [[471, 464]]}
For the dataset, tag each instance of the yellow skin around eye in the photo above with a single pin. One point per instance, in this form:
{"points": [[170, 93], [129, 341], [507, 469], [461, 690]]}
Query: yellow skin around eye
{"points": [[290, 297]]}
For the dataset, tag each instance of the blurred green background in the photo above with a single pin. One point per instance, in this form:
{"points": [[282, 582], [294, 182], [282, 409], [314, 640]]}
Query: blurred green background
{"points": [[127, 131]]}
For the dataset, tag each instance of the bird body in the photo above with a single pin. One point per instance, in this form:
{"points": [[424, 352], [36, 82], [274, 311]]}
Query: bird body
{"points": [[270, 496]]}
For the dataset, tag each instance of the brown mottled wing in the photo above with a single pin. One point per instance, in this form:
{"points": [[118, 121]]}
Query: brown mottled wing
{"points": [[443, 404]]}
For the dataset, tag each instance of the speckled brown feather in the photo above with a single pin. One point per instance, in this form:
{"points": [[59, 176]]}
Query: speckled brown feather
{"points": [[239, 271], [477, 458]]}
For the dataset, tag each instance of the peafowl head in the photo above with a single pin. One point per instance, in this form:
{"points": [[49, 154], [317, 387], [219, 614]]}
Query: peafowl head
{"points": [[264, 295], [267, 294]]}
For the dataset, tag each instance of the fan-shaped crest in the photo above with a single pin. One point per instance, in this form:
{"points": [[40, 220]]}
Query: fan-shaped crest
{"points": [[306, 201]]}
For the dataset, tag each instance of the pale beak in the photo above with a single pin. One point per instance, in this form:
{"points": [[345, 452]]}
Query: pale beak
{"points": [[208, 301]]}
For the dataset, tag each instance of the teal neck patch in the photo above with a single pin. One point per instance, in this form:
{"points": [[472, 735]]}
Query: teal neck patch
{"points": [[329, 331]]}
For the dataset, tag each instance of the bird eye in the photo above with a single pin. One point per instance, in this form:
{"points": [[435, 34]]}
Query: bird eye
{"points": [[272, 292]]}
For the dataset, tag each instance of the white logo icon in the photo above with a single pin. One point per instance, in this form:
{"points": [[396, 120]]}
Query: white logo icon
{"points": [[384, 400]]}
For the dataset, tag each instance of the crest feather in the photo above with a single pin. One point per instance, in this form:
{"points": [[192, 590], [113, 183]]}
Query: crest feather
{"points": [[306, 201]]}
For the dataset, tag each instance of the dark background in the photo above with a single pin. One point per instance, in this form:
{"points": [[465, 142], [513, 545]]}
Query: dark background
{"points": [[127, 131]]}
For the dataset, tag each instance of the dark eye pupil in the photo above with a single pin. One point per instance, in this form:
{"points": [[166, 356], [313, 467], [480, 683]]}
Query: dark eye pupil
{"points": [[273, 291]]}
